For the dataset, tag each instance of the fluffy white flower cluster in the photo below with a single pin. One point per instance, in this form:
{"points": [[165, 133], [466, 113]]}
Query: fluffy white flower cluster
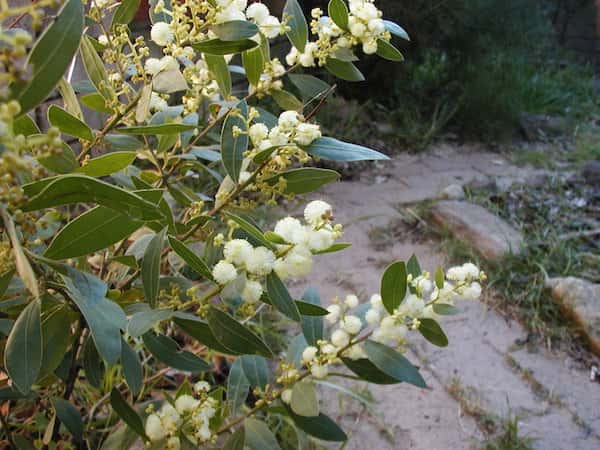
{"points": [[268, 24], [365, 28], [290, 130], [270, 79], [461, 283], [154, 66], [293, 259], [389, 329], [365, 24], [162, 34], [189, 415], [347, 327]]}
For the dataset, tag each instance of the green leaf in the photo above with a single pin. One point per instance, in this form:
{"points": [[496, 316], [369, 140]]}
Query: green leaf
{"points": [[232, 147], [127, 413], [23, 352], [286, 100], [265, 154], [69, 416], [281, 298], [63, 162], [344, 70], [69, 124], [219, 47], [304, 180], [51, 55], [413, 267], [144, 321], [249, 228], [312, 327], [393, 286], [10, 393], [107, 164], [200, 330], [388, 51], [310, 87], [235, 30], [69, 189], [439, 277], [6, 326], [274, 238], [94, 230], [23, 443], [24, 269], [367, 371], [308, 309], [298, 34], [333, 150], [432, 331], [92, 364], [151, 268], [105, 318], [396, 29], [393, 363], [258, 435], [56, 338], [338, 11], [95, 102], [167, 351], [121, 438], [444, 309], [125, 12], [165, 128], [294, 350], [206, 153], [255, 369], [5, 280], [237, 386], [236, 440], [25, 125], [232, 334], [132, 368], [334, 248], [190, 258], [94, 67], [254, 62], [321, 427], [218, 67], [304, 399], [69, 98]]}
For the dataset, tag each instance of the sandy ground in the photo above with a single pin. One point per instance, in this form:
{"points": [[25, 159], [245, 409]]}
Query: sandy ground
{"points": [[483, 374]]}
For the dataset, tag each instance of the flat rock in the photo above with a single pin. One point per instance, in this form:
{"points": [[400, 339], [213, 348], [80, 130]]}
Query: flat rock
{"points": [[490, 235], [453, 192], [580, 299], [591, 172]]}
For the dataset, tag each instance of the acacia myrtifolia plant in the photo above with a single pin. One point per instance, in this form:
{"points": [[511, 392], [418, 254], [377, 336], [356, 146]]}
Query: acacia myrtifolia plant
{"points": [[137, 284]]}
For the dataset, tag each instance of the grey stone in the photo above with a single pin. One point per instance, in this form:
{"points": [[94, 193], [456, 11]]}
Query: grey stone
{"points": [[453, 192], [591, 172], [491, 236], [536, 126], [580, 299]]}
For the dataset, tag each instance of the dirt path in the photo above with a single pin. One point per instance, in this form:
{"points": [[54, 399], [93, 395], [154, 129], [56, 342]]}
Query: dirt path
{"points": [[484, 376]]}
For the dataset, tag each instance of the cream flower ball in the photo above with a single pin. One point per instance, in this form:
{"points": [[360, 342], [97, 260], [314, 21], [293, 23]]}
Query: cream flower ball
{"points": [[161, 33], [317, 212], [252, 291], [224, 272], [237, 251]]}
